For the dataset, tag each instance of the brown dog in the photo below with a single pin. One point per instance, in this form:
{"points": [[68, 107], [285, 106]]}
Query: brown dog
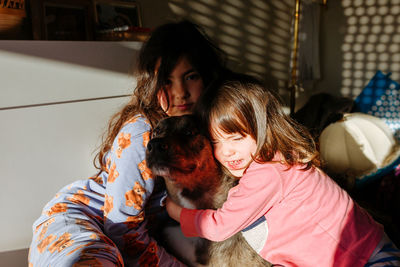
{"points": [[183, 157]]}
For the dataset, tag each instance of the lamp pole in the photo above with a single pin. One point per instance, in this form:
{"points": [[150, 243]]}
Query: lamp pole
{"points": [[293, 85]]}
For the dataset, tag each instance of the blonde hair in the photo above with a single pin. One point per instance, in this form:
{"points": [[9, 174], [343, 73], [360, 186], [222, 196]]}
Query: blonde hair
{"points": [[243, 105]]}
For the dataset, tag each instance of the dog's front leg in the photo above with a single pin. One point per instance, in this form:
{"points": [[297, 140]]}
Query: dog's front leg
{"points": [[187, 249]]}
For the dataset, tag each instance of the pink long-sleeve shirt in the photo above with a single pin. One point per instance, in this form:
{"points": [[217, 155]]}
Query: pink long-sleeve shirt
{"points": [[311, 221]]}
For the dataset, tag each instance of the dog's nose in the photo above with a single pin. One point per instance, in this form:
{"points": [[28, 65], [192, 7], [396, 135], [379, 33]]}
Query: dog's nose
{"points": [[156, 145]]}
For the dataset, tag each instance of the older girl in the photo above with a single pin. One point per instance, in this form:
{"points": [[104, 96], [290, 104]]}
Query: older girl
{"points": [[105, 220]]}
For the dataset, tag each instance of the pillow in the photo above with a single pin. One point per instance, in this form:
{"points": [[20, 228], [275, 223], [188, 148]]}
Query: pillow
{"points": [[360, 146], [381, 98]]}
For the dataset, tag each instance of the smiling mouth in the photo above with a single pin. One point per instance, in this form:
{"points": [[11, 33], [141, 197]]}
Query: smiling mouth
{"points": [[234, 164]]}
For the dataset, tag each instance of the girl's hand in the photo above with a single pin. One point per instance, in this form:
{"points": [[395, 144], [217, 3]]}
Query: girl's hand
{"points": [[173, 209]]}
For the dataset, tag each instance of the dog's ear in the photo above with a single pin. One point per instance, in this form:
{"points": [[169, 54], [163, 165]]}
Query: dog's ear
{"points": [[194, 122], [188, 121]]}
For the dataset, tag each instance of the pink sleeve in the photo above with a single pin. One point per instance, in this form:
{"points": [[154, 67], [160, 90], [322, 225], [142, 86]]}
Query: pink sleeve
{"points": [[187, 220], [256, 192]]}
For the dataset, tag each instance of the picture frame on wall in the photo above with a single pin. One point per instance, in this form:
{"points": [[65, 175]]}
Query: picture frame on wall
{"points": [[85, 20], [62, 20], [118, 20]]}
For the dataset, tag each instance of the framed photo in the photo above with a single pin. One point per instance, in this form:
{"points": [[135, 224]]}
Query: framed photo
{"points": [[75, 20], [115, 14], [117, 20], [62, 20]]}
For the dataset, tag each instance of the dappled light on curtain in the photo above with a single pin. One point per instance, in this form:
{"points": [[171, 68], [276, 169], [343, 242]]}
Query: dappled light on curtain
{"points": [[256, 34], [371, 42]]}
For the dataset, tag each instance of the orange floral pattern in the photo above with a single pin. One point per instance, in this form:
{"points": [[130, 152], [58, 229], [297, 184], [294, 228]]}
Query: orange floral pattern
{"points": [[45, 242], [61, 243], [57, 208], [146, 172], [124, 141], [132, 120], [113, 174], [134, 197], [79, 197], [45, 226], [146, 138], [108, 162], [71, 227], [108, 204], [134, 221]]}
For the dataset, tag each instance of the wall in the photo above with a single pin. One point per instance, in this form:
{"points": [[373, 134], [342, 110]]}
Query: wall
{"points": [[55, 101], [255, 34], [357, 39]]}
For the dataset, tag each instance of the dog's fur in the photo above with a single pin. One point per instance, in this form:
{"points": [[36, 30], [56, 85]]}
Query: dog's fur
{"points": [[183, 157]]}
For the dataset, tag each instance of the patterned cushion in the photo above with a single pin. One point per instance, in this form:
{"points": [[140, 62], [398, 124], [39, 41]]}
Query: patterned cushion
{"points": [[381, 98]]}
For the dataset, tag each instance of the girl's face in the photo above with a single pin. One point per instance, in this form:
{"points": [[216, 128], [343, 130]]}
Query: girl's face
{"points": [[183, 89], [233, 151]]}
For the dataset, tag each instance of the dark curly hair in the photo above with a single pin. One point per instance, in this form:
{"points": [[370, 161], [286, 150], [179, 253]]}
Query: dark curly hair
{"points": [[166, 45]]}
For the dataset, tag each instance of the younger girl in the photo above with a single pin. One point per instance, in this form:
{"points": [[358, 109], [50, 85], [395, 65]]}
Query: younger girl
{"points": [[307, 219]]}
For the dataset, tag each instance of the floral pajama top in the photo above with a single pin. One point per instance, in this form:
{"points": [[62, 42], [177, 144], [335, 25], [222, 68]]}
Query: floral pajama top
{"points": [[104, 220]]}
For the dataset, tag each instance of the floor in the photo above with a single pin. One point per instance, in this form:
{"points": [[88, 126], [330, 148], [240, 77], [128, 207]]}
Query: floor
{"points": [[14, 258]]}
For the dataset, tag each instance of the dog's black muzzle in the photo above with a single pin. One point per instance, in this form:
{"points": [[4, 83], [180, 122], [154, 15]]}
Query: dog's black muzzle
{"points": [[157, 145]]}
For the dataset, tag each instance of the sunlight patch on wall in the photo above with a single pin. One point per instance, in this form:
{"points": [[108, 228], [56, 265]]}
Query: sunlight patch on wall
{"points": [[256, 34], [177, 10], [371, 42]]}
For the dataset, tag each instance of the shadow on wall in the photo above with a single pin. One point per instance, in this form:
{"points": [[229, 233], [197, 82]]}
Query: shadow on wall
{"points": [[256, 34], [371, 43], [85, 54], [359, 38]]}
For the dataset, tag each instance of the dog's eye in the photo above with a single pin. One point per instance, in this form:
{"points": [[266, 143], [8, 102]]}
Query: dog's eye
{"points": [[190, 132], [155, 132]]}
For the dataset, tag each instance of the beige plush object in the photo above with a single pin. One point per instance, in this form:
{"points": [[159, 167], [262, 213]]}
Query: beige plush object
{"points": [[358, 145]]}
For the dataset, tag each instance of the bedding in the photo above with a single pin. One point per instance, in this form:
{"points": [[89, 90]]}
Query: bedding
{"points": [[381, 98], [360, 145]]}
